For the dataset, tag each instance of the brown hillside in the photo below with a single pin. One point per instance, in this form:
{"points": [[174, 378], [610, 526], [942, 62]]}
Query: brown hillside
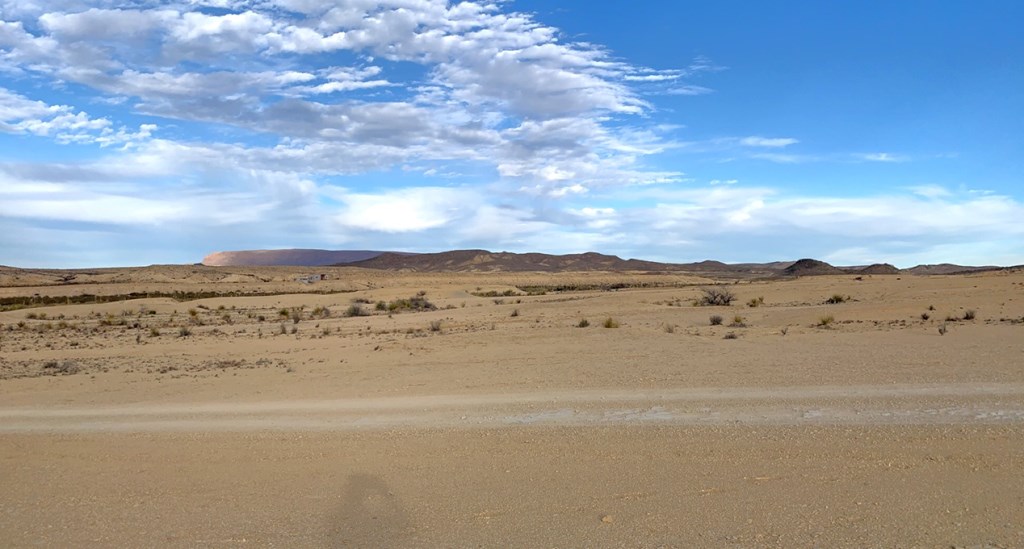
{"points": [[879, 269]]}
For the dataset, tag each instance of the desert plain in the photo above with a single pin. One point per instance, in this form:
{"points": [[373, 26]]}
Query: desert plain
{"points": [[192, 406]]}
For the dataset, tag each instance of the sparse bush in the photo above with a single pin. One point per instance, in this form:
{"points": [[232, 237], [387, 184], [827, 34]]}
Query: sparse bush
{"points": [[354, 310], [283, 313], [730, 335], [261, 318], [323, 312], [837, 298], [951, 318], [415, 303], [295, 330], [193, 313], [669, 328], [737, 322], [826, 321], [943, 329], [969, 314], [326, 331], [284, 329], [515, 313], [495, 293], [184, 332], [756, 302], [716, 297], [925, 316], [931, 307], [32, 316], [610, 323], [583, 323], [154, 332], [715, 320], [381, 306], [784, 330], [435, 325]]}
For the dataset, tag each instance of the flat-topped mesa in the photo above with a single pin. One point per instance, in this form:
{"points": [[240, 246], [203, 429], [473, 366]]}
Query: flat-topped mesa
{"points": [[289, 257]]}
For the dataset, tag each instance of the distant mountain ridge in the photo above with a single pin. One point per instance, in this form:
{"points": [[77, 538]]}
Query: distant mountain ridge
{"points": [[487, 261], [483, 260]]}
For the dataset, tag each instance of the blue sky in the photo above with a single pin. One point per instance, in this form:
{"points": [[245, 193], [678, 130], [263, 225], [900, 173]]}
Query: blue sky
{"points": [[148, 132]]}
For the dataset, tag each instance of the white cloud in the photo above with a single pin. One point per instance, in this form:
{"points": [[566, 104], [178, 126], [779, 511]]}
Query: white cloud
{"points": [[931, 191], [690, 89], [575, 188], [882, 157], [783, 158], [405, 210], [20, 115], [770, 142]]}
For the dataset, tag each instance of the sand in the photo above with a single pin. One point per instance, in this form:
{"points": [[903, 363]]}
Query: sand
{"points": [[497, 421]]}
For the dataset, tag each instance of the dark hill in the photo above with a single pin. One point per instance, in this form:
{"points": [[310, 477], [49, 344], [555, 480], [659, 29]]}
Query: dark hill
{"points": [[811, 267]]}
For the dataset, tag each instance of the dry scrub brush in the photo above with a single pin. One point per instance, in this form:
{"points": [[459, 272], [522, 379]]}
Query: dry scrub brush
{"points": [[715, 297]]}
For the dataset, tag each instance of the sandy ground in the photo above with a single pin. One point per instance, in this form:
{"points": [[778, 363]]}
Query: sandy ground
{"points": [[497, 421]]}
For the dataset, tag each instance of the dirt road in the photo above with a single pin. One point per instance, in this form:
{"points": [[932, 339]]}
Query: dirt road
{"points": [[947, 404], [883, 465]]}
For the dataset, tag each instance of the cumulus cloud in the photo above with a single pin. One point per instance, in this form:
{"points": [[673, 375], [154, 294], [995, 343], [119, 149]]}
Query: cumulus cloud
{"points": [[492, 81]]}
